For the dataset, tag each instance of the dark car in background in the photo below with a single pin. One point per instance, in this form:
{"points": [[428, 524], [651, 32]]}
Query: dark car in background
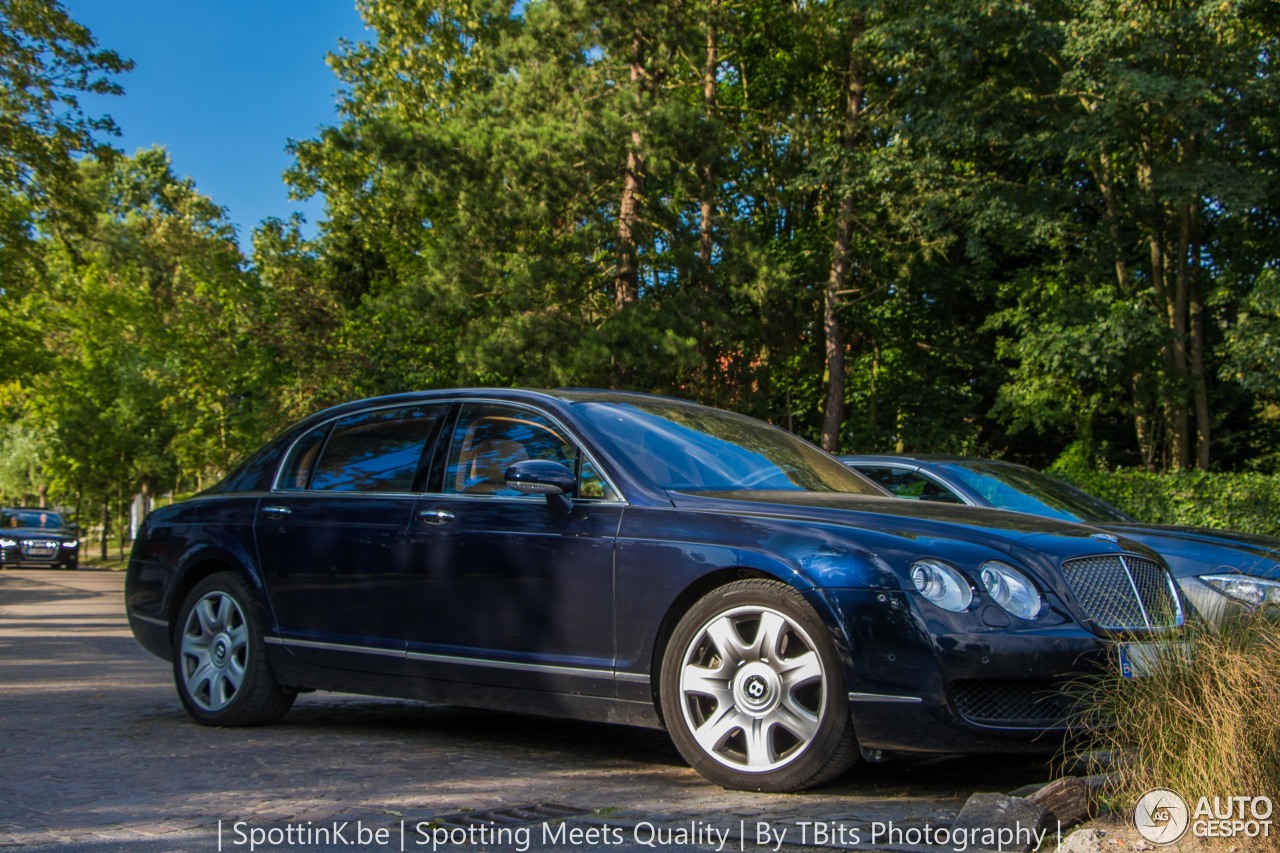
{"points": [[632, 559], [1219, 571], [37, 538]]}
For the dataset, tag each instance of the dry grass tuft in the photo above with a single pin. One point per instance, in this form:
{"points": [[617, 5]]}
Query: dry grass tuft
{"points": [[1205, 724]]}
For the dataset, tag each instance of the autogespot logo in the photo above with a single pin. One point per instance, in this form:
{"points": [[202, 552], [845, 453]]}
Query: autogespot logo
{"points": [[1161, 816]]}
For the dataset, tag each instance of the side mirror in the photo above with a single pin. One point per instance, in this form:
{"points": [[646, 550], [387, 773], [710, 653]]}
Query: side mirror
{"points": [[543, 477]]}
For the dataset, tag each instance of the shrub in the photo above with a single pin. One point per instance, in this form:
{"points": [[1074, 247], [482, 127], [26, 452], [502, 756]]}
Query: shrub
{"points": [[1248, 503]]}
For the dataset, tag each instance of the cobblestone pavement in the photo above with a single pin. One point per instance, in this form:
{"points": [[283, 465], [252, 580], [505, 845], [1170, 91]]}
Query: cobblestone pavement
{"points": [[96, 753]]}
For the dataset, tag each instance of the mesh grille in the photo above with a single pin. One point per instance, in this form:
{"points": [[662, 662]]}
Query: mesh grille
{"points": [[1020, 703], [1105, 588], [1152, 582]]}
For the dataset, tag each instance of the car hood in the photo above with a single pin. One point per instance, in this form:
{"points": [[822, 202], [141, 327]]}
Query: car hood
{"points": [[1192, 551], [36, 533], [999, 529]]}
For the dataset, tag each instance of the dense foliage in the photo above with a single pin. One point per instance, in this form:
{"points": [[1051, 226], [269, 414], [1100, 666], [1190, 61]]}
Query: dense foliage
{"points": [[981, 226], [1247, 502]]}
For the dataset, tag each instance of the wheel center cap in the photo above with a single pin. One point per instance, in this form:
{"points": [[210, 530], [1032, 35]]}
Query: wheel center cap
{"points": [[756, 688], [221, 652]]}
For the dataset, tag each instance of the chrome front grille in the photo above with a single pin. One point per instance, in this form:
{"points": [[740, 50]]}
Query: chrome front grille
{"points": [[1121, 592]]}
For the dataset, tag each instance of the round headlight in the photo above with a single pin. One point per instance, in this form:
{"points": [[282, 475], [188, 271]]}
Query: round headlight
{"points": [[1254, 591], [1011, 589], [942, 585]]}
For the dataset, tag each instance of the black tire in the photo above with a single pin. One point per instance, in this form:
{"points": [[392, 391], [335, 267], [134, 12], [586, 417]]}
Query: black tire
{"points": [[753, 693], [219, 659]]}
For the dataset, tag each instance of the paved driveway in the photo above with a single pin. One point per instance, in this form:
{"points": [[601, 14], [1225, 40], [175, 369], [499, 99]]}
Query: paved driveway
{"points": [[96, 752]]}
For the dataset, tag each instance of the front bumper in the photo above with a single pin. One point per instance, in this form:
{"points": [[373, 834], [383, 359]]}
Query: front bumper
{"points": [[923, 681], [62, 558]]}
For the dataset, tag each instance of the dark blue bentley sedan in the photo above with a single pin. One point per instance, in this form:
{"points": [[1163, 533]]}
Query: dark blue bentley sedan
{"points": [[631, 559]]}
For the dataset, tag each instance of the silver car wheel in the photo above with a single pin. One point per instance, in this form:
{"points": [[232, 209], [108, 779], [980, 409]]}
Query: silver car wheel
{"points": [[752, 689], [214, 651]]}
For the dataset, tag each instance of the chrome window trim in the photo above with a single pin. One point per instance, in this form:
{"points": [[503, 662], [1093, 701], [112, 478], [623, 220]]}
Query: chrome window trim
{"points": [[288, 454]]}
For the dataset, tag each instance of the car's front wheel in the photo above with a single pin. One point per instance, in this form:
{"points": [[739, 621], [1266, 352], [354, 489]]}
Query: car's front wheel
{"points": [[752, 691], [219, 660]]}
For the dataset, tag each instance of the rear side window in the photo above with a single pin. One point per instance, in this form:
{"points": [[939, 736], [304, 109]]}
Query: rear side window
{"points": [[302, 459], [910, 485], [378, 451]]}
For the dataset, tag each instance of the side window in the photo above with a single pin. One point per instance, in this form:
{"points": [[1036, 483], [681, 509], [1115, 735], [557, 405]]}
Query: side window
{"points": [[376, 451], [910, 485], [302, 459], [491, 437], [592, 485]]}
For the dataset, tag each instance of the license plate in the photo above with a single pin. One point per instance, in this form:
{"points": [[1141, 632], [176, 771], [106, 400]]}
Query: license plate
{"points": [[1143, 660], [40, 552]]}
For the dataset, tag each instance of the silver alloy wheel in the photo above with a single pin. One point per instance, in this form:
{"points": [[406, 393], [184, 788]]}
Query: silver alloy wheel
{"points": [[215, 651], [751, 689]]}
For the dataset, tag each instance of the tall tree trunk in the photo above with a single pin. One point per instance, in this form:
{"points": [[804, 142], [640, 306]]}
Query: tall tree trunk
{"points": [[841, 257], [1175, 356], [706, 224], [106, 525], [833, 415], [1178, 327], [1105, 176], [627, 279], [1195, 319], [1174, 304], [1142, 425], [707, 205]]}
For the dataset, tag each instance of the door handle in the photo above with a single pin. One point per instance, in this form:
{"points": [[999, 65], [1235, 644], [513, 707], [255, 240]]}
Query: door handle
{"points": [[276, 510], [435, 516]]}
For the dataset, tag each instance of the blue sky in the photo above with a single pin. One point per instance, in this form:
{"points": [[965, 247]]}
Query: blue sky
{"points": [[224, 86]]}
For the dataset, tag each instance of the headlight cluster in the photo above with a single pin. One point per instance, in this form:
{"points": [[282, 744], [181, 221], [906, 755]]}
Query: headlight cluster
{"points": [[8, 543], [1255, 591], [949, 589], [1011, 589], [71, 543], [942, 585]]}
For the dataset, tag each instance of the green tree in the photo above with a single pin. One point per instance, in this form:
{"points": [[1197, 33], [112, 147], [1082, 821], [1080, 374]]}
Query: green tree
{"points": [[47, 61]]}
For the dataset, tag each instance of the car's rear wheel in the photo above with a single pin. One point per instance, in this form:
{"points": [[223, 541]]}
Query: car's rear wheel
{"points": [[753, 693], [219, 661]]}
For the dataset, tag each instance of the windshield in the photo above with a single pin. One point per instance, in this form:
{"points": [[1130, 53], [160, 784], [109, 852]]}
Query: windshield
{"points": [[684, 447], [35, 518], [1020, 489]]}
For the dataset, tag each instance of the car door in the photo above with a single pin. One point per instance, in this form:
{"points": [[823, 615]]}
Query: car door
{"points": [[332, 536], [508, 589]]}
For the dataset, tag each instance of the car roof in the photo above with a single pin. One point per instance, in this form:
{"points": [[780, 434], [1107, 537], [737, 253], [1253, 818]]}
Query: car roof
{"points": [[924, 458], [566, 395]]}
